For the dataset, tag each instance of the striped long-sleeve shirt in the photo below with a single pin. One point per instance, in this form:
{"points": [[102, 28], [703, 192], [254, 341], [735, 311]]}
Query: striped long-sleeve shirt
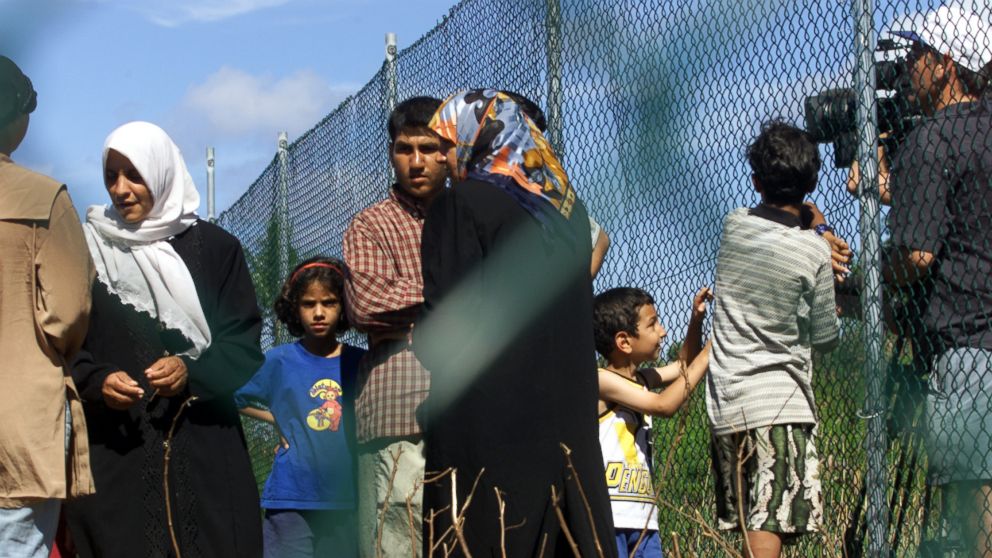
{"points": [[774, 303]]}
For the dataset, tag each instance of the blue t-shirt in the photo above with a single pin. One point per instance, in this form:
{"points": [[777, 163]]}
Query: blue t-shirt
{"points": [[310, 398]]}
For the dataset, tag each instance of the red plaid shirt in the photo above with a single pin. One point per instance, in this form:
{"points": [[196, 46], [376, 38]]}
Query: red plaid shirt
{"points": [[384, 291]]}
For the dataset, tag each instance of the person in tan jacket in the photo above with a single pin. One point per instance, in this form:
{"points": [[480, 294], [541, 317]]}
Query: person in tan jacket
{"points": [[45, 277]]}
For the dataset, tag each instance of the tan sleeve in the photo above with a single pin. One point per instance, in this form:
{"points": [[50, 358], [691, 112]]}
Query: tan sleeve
{"points": [[65, 274]]}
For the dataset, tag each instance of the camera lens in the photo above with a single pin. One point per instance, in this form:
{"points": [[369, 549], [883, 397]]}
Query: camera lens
{"points": [[830, 114]]}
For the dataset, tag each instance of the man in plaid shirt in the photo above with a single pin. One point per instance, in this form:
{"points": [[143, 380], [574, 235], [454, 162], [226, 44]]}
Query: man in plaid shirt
{"points": [[384, 292]]}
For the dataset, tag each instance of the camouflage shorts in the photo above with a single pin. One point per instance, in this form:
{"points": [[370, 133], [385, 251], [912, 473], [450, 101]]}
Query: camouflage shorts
{"points": [[779, 479]]}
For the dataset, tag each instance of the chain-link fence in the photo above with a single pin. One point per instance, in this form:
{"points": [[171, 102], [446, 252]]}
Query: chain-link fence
{"points": [[651, 105]]}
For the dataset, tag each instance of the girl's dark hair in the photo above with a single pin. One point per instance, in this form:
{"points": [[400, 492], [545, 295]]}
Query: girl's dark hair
{"points": [[785, 161], [614, 311], [329, 272]]}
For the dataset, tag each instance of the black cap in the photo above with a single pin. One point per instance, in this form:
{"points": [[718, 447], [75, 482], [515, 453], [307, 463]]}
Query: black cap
{"points": [[17, 95]]}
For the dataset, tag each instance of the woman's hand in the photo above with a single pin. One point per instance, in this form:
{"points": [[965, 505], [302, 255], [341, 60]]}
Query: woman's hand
{"points": [[168, 375], [120, 391]]}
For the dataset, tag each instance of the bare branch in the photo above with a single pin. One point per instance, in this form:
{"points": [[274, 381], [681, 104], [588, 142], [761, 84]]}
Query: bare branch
{"points": [[563, 523], [708, 531], [385, 503], [411, 521], [502, 521], [167, 446], [585, 501]]}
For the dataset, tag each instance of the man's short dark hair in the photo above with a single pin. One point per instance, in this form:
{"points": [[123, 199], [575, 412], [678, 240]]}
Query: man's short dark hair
{"points": [[614, 311], [415, 112], [785, 161]]}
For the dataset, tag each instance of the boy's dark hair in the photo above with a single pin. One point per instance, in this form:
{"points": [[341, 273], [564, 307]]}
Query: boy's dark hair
{"points": [[415, 112], [614, 311], [785, 161], [329, 272], [530, 108]]}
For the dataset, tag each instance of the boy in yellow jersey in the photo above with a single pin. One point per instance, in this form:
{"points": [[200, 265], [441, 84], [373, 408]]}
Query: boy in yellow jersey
{"points": [[628, 334]]}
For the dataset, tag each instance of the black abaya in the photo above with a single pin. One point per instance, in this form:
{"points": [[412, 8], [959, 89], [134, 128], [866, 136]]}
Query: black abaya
{"points": [[507, 335], [214, 499]]}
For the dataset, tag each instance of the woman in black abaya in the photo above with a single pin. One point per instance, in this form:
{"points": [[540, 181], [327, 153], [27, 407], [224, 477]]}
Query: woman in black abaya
{"points": [[174, 332], [507, 335]]}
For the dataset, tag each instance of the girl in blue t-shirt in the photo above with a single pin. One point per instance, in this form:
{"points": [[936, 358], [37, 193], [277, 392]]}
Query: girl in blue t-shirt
{"points": [[306, 390]]}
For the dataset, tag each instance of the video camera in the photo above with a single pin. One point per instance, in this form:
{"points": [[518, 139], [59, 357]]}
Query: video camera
{"points": [[831, 116]]}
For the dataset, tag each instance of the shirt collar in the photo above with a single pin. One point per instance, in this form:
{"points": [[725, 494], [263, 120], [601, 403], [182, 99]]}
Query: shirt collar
{"points": [[414, 206], [776, 215]]}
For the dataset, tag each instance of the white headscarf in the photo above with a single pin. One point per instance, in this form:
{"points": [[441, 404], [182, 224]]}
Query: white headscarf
{"points": [[134, 260]]}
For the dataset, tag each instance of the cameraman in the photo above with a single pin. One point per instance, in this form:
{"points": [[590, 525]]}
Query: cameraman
{"points": [[941, 221]]}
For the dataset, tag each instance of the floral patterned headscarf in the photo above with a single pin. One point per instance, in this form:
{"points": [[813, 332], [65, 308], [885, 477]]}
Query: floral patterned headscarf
{"points": [[495, 141]]}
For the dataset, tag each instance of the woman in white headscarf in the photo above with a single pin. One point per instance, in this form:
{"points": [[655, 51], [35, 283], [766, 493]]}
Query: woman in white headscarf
{"points": [[174, 332]]}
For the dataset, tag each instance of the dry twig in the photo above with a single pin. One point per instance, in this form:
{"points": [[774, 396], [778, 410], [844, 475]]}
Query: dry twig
{"points": [[167, 445], [411, 522], [502, 521], [563, 523], [457, 516], [708, 531], [585, 501], [385, 503]]}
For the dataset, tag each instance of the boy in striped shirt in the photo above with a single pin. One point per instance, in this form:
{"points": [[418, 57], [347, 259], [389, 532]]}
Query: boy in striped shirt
{"points": [[774, 305]]}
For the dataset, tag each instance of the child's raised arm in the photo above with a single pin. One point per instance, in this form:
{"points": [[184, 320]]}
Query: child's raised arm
{"points": [[616, 389], [693, 341]]}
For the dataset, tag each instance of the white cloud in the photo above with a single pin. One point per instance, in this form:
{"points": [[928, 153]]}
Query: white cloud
{"points": [[240, 114], [170, 13], [231, 102]]}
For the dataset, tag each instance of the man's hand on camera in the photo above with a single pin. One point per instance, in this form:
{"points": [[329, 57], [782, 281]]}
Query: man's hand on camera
{"points": [[854, 176]]}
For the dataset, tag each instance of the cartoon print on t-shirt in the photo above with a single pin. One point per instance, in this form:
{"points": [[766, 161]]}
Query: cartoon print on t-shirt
{"points": [[328, 415]]}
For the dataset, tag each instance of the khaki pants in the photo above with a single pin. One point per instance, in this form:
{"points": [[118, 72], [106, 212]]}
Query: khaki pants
{"points": [[384, 508]]}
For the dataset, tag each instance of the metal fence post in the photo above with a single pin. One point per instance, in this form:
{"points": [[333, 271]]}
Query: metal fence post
{"points": [[210, 185], [391, 84], [553, 48], [390, 72], [282, 219], [876, 482]]}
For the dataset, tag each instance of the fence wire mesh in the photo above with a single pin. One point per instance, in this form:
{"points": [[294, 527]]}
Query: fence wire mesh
{"points": [[651, 105]]}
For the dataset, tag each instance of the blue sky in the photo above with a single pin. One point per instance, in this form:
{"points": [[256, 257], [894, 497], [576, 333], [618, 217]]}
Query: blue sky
{"points": [[225, 73]]}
